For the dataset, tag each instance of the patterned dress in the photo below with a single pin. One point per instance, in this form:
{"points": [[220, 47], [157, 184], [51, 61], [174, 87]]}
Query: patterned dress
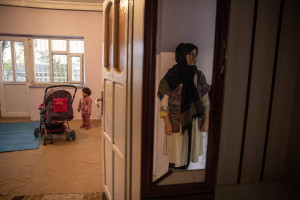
{"points": [[176, 145]]}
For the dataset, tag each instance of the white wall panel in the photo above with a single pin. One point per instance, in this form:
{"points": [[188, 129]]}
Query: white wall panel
{"points": [[119, 116], [15, 101], [108, 173], [119, 178], [108, 112]]}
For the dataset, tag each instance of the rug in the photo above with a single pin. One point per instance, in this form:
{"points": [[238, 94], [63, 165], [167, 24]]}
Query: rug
{"points": [[18, 136]]}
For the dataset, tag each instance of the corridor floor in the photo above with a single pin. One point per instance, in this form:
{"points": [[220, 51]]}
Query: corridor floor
{"points": [[62, 170], [73, 170]]}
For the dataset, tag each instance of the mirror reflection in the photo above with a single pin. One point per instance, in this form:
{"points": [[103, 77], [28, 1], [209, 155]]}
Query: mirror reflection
{"points": [[184, 63]]}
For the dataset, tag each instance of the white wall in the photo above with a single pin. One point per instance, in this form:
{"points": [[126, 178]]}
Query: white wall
{"points": [[17, 20], [182, 23]]}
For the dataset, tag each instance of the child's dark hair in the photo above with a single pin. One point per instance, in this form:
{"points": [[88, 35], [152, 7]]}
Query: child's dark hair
{"points": [[87, 91]]}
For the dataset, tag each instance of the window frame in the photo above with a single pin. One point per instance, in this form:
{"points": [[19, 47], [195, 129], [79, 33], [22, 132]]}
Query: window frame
{"points": [[51, 53], [51, 64], [12, 41], [70, 67]]}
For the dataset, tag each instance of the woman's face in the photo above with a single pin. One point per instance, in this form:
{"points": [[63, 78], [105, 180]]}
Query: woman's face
{"points": [[191, 57]]}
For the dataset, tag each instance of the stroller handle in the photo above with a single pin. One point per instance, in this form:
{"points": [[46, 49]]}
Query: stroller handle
{"points": [[54, 86]]}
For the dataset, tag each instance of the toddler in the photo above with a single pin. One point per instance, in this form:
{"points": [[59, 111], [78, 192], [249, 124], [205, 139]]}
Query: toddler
{"points": [[85, 105]]}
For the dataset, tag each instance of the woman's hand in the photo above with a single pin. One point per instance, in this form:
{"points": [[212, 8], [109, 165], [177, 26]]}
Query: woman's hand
{"points": [[168, 125], [205, 124]]}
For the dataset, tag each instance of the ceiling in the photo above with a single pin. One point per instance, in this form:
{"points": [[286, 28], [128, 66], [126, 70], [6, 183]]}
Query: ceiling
{"points": [[88, 5]]}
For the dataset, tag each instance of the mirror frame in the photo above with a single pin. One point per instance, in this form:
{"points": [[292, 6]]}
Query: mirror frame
{"points": [[201, 190]]}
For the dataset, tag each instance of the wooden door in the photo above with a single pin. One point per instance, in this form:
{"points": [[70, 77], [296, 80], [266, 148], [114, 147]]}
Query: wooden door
{"points": [[14, 77], [116, 100]]}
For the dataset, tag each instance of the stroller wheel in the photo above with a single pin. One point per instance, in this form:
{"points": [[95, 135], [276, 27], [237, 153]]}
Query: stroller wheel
{"points": [[50, 138], [73, 135], [44, 139], [67, 135], [36, 132]]}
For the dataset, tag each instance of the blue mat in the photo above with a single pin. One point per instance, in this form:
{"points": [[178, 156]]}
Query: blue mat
{"points": [[18, 136]]}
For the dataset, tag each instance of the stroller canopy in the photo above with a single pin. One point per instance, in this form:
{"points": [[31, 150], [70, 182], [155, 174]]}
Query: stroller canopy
{"points": [[58, 105]]}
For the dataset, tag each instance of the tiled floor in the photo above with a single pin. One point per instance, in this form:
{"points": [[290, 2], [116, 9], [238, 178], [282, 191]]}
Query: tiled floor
{"points": [[86, 196], [275, 190], [39, 178]]}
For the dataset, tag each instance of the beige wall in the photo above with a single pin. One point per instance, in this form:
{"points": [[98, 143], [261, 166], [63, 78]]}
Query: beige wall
{"points": [[17, 20]]}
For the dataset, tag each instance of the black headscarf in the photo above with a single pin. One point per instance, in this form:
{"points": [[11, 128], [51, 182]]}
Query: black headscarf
{"points": [[182, 73]]}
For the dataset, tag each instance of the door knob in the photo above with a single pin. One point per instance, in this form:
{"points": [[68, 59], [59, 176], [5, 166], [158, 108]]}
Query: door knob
{"points": [[97, 101]]}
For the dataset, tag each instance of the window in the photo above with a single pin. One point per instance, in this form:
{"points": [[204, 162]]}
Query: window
{"points": [[41, 60], [58, 60], [12, 61], [7, 61]]}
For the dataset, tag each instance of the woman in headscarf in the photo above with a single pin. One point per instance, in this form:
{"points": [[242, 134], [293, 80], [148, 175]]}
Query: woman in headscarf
{"points": [[185, 105]]}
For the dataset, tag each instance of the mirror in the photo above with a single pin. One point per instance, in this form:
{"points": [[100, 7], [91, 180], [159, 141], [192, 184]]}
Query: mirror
{"points": [[167, 24], [178, 21]]}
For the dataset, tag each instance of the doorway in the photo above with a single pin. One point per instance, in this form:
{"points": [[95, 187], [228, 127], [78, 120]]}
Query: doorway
{"points": [[174, 184], [14, 74]]}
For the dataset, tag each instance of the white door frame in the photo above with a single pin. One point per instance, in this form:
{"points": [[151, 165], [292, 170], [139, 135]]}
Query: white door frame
{"points": [[116, 86], [4, 112]]}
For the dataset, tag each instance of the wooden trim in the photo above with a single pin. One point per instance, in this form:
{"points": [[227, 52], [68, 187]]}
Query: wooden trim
{"points": [[107, 6], [42, 36], [13, 60], [115, 34], [163, 177], [205, 190], [49, 4], [50, 62], [217, 89], [150, 24], [70, 55]]}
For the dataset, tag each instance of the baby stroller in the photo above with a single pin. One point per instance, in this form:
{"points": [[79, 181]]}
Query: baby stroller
{"points": [[55, 110]]}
